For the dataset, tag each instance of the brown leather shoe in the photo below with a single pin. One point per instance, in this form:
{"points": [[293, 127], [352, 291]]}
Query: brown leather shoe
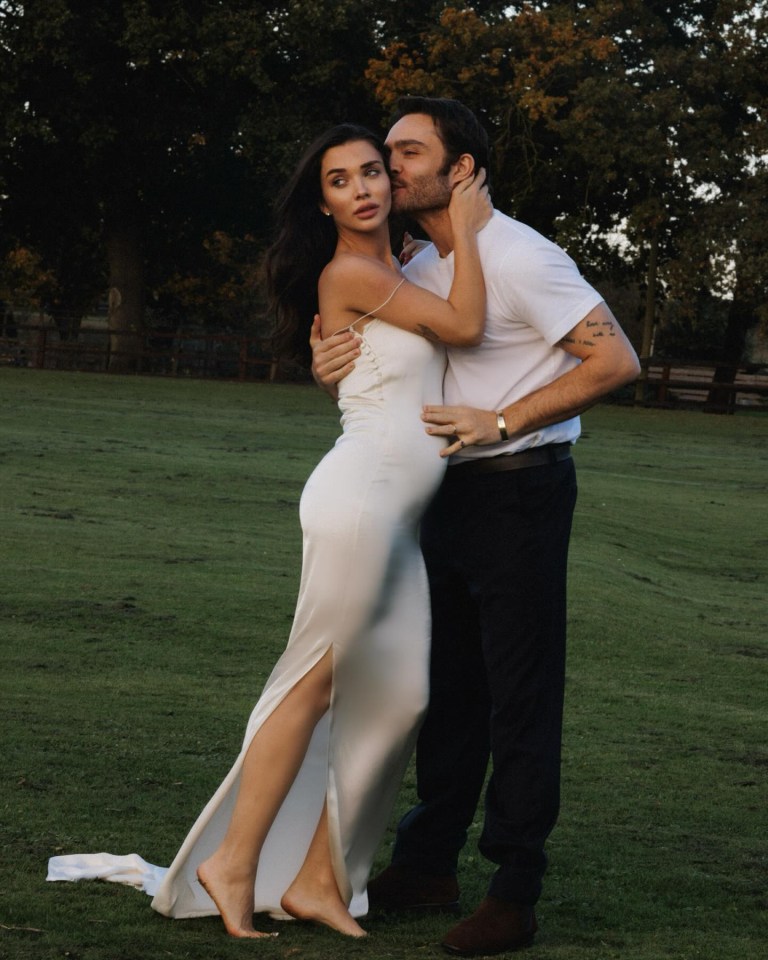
{"points": [[398, 888], [496, 926]]}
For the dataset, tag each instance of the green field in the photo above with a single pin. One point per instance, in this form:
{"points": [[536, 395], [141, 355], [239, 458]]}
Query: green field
{"points": [[149, 567]]}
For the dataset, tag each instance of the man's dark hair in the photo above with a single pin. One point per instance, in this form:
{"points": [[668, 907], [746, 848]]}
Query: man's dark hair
{"points": [[458, 128]]}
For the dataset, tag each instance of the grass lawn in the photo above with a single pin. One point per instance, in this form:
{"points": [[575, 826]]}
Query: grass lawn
{"points": [[150, 560]]}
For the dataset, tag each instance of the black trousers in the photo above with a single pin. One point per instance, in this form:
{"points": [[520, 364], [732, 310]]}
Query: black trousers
{"points": [[496, 548]]}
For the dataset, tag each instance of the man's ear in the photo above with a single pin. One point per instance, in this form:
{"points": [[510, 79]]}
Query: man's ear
{"points": [[462, 169]]}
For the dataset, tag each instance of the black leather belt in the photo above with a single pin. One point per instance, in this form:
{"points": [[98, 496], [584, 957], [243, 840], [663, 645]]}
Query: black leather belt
{"points": [[535, 457]]}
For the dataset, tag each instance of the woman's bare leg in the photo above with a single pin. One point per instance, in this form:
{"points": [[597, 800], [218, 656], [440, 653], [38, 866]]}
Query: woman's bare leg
{"points": [[314, 894], [270, 766]]}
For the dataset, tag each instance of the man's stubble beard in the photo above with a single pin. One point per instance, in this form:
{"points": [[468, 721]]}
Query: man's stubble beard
{"points": [[423, 194]]}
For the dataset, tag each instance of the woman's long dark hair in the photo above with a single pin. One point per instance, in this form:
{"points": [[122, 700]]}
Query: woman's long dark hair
{"points": [[305, 243]]}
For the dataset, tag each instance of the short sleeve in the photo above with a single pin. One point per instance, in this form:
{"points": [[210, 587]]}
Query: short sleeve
{"points": [[541, 285]]}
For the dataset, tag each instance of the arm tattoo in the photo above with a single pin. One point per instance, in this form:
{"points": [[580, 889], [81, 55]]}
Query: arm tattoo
{"points": [[427, 333], [578, 341]]}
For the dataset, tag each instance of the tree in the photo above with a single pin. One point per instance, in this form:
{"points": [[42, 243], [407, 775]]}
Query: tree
{"points": [[699, 75], [722, 246], [135, 132], [606, 124], [100, 145], [142, 143]]}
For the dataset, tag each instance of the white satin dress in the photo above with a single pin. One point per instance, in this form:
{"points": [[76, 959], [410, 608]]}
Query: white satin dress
{"points": [[364, 595]]}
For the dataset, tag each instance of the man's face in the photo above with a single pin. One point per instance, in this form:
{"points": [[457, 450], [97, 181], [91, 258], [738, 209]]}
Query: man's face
{"points": [[416, 160]]}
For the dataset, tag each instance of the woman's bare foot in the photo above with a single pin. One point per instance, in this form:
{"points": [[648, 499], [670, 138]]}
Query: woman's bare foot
{"points": [[321, 905], [233, 899]]}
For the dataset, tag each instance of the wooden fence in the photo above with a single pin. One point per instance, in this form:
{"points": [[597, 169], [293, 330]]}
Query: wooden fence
{"points": [[224, 356], [243, 357], [722, 387]]}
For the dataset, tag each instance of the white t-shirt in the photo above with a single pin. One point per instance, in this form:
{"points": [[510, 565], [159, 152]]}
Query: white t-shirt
{"points": [[536, 295]]}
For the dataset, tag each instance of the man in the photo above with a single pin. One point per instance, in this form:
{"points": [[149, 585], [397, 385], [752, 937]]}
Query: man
{"points": [[495, 539]]}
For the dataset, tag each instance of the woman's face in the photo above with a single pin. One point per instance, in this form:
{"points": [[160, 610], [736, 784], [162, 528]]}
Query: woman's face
{"points": [[355, 186]]}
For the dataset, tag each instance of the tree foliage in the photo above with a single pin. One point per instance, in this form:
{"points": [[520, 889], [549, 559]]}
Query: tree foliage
{"points": [[135, 134], [639, 120], [142, 143]]}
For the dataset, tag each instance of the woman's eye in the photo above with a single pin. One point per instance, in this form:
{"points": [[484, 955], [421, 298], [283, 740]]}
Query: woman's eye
{"points": [[373, 172], [338, 182]]}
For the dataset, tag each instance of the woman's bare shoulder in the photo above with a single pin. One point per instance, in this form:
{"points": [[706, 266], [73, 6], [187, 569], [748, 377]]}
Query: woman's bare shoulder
{"points": [[353, 266]]}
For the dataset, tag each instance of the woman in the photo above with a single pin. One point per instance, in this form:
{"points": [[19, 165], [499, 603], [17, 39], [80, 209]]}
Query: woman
{"points": [[294, 827]]}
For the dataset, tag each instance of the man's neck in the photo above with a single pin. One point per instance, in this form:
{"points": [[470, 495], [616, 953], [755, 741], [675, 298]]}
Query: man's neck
{"points": [[437, 225]]}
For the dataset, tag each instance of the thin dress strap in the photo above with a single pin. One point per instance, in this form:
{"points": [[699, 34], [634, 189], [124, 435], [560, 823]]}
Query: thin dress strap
{"points": [[375, 309]]}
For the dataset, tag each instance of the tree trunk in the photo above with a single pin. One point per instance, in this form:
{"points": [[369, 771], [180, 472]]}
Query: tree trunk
{"points": [[68, 327], [649, 321], [741, 316], [126, 298], [67, 323]]}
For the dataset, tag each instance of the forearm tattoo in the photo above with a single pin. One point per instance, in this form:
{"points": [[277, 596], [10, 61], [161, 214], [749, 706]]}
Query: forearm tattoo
{"points": [[427, 333]]}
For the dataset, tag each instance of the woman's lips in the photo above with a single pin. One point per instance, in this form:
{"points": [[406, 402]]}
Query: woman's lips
{"points": [[368, 211]]}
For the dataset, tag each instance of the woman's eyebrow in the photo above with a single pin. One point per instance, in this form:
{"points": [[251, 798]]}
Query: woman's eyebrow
{"points": [[363, 166]]}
